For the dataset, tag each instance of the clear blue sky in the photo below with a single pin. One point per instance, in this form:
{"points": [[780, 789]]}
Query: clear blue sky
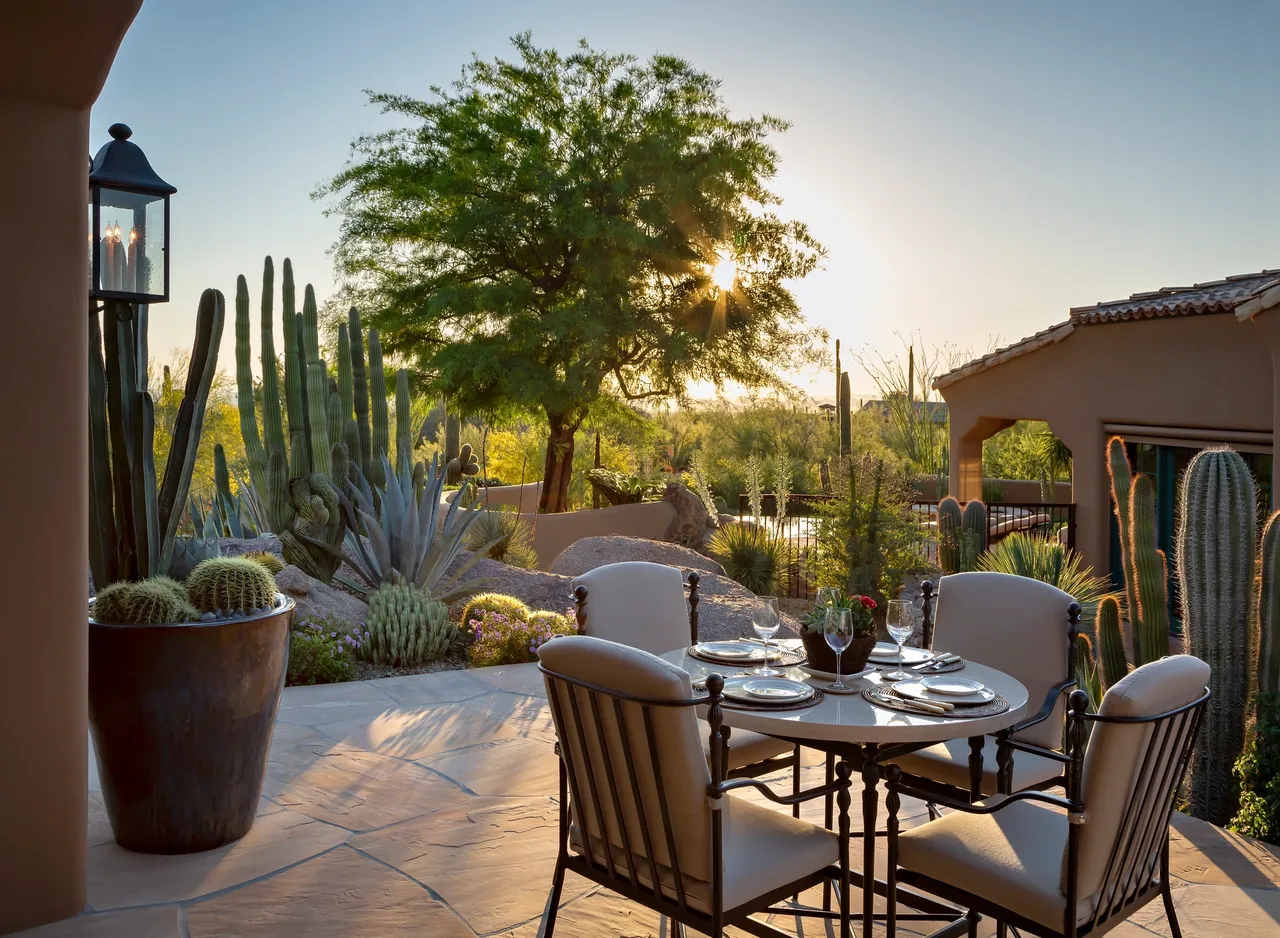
{"points": [[974, 169]]}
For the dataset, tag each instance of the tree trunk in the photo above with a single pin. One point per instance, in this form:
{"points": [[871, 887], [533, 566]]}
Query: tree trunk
{"points": [[559, 466]]}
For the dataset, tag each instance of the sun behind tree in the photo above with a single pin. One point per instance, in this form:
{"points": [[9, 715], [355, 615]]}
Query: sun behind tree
{"points": [[557, 229]]}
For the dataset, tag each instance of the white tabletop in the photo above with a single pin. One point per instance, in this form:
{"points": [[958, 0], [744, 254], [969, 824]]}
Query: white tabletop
{"points": [[851, 718]]}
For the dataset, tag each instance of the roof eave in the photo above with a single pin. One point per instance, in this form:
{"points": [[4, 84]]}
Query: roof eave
{"points": [[1258, 303]]}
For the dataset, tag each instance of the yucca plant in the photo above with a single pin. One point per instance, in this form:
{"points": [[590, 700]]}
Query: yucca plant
{"points": [[504, 536], [1048, 561], [752, 556], [412, 538]]}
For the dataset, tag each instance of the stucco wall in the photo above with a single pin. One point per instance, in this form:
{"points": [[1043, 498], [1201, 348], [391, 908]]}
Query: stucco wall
{"points": [[553, 533], [1194, 371], [523, 497]]}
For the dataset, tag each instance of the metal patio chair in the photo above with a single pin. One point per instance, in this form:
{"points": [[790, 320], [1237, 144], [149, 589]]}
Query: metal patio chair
{"points": [[1026, 629], [641, 812], [643, 605], [1068, 867]]}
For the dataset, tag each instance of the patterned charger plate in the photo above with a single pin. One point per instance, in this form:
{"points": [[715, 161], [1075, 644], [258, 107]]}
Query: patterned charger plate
{"points": [[883, 696]]}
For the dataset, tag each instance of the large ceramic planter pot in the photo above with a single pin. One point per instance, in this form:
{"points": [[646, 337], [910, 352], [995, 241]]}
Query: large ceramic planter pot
{"points": [[181, 717], [852, 660]]}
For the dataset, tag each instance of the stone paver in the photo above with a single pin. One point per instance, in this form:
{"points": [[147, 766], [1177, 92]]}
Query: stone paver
{"points": [[425, 805], [337, 894]]}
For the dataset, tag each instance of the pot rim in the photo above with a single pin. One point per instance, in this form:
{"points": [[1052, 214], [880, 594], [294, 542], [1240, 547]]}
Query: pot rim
{"points": [[288, 605]]}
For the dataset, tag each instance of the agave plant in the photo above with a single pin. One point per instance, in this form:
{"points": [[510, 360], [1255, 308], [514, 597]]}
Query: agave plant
{"points": [[1049, 561], [409, 542]]}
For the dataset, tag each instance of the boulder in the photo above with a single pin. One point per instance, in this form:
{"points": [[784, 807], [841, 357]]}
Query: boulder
{"points": [[316, 599], [690, 524], [536, 588], [590, 552], [724, 611]]}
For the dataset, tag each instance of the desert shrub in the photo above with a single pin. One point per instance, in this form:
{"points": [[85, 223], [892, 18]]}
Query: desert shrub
{"points": [[751, 555], [320, 652], [1258, 772], [1049, 561], [506, 537], [503, 639], [492, 602]]}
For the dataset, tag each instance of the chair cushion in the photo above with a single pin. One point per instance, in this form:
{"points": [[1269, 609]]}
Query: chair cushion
{"points": [[1014, 624], [764, 850], [637, 603], [1012, 857], [747, 748], [948, 763]]}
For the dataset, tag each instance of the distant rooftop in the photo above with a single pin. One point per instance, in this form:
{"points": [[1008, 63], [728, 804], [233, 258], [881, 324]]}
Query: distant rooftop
{"points": [[1241, 292]]}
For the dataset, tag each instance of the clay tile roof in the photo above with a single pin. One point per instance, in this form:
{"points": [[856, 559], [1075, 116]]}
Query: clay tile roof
{"points": [[1214, 296], [1042, 338], [1244, 294]]}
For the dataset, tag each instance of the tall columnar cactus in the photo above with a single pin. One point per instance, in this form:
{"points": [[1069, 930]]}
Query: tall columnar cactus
{"points": [[846, 417], [378, 409], [1143, 563], [1269, 608], [133, 516], [452, 437], [1110, 641], [1215, 550], [404, 431], [950, 519], [973, 534], [360, 390]]}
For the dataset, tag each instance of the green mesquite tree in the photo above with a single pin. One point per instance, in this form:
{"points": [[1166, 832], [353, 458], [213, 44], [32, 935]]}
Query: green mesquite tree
{"points": [[545, 234]]}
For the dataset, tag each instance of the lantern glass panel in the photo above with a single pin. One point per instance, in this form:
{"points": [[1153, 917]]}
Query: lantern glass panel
{"points": [[129, 241]]}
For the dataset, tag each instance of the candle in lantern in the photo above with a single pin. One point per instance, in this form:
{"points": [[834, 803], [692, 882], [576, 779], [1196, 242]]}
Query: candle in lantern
{"points": [[131, 263], [108, 260], [120, 259]]}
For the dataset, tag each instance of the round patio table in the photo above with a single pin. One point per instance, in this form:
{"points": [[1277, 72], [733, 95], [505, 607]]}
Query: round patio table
{"points": [[850, 727]]}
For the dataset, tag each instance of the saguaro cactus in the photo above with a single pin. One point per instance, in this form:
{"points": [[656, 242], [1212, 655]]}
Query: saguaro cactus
{"points": [[404, 431], [846, 418], [950, 519], [1269, 608], [1145, 570], [1110, 648], [1216, 530], [973, 534]]}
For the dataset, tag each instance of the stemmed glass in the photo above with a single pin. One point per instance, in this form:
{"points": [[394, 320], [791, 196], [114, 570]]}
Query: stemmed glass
{"points": [[766, 622], [839, 633], [900, 620], [826, 596]]}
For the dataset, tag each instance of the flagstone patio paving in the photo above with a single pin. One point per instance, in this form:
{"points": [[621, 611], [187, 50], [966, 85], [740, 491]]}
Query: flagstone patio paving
{"points": [[425, 805]]}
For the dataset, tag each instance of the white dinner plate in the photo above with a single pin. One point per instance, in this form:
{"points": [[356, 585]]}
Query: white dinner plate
{"points": [[953, 686], [916, 688], [773, 689], [886, 653], [735, 651], [831, 675]]}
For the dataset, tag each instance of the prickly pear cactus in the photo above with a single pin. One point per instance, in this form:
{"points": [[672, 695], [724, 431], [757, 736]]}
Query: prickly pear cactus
{"points": [[1215, 550]]}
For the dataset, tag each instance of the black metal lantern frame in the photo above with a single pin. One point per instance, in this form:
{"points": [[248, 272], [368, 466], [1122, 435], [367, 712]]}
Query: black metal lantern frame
{"points": [[124, 188]]}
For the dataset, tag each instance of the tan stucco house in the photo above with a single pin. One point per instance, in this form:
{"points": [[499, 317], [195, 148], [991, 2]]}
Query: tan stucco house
{"points": [[1172, 371]]}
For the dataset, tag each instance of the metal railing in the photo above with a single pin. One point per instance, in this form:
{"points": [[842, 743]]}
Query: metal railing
{"points": [[798, 533], [1003, 518]]}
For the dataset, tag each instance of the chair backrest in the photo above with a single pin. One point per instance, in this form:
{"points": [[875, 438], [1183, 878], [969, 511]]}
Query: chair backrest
{"points": [[1014, 624], [630, 746], [638, 604], [1137, 753]]}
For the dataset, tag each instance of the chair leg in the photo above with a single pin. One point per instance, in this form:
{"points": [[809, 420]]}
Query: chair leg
{"points": [[829, 820], [795, 780], [934, 813], [548, 925], [973, 918], [1167, 894]]}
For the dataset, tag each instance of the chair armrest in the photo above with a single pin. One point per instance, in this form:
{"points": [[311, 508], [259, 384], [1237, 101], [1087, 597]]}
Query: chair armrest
{"points": [[1037, 750], [893, 781], [724, 787], [1046, 708]]}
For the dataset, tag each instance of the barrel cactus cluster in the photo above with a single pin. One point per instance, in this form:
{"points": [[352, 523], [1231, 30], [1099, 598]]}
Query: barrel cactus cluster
{"points": [[962, 534], [217, 588]]}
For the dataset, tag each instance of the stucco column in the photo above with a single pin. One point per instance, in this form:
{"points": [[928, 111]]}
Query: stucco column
{"points": [[1267, 325], [53, 61], [1091, 493], [968, 432]]}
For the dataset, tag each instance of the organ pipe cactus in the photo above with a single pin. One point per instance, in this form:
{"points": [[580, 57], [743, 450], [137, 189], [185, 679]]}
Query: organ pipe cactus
{"points": [[1269, 608], [404, 431], [378, 409], [1110, 641], [1215, 550], [133, 515], [1145, 572]]}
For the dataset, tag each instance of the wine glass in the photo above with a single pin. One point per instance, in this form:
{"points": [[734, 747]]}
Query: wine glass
{"points": [[766, 622], [839, 633], [900, 620], [825, 596]]}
